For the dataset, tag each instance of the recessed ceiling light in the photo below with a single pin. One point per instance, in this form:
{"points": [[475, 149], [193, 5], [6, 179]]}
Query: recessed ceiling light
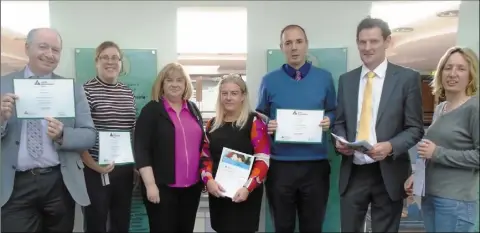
{"points": [[403, 29], [452, 13]]}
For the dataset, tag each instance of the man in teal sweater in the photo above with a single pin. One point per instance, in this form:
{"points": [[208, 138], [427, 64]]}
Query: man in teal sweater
{"points": [[299, 174]]}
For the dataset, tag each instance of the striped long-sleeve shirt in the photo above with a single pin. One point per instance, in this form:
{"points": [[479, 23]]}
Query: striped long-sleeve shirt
{"points": [[112, 107]]}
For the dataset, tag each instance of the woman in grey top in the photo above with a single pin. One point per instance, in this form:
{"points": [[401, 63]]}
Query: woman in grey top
{"points": [[451, 147]]}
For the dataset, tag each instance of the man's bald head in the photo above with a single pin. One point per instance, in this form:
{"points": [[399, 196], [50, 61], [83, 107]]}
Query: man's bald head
{"points": [[43, 47], [32, 33]]}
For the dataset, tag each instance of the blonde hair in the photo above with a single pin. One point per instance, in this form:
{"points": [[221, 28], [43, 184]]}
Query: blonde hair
{"points": [[472, 60], [220, 111], [167, 71]]}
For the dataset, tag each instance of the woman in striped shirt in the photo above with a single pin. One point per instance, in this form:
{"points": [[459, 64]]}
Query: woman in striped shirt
{"points": [[112, 105]]}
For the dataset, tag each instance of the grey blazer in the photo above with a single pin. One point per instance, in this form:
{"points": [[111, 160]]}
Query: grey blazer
{"points": [[79, 134], [399, 121]]}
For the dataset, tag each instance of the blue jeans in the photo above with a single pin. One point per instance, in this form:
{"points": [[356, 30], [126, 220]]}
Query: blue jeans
{"points": [[448, 215]]}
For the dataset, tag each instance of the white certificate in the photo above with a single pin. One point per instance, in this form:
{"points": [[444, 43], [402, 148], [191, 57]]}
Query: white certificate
{"points": [[299, 126], [233, 171], [115, 147], [419, 178], [40, 98]]}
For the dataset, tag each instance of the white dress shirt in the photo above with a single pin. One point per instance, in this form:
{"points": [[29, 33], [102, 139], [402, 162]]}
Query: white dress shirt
{"points": [[380, 72]]}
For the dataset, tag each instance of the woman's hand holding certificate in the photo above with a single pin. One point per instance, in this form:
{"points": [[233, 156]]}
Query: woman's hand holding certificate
{"points": [[299, 126], [40, 98], [233, 172], [214, 188]]}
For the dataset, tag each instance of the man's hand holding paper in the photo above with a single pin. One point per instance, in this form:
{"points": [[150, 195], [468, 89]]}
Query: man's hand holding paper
{"points": [[325, 123], [343, 148], [55, 128], [349, 147], [380, 151], [7, 105]]}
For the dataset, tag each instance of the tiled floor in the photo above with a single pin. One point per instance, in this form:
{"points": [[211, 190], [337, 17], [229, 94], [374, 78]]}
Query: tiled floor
{"points": [[201, 225]]}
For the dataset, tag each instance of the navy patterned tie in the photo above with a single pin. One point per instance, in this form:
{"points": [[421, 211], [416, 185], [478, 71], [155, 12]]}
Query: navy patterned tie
{"points": [[298, 75], [34, 137]]}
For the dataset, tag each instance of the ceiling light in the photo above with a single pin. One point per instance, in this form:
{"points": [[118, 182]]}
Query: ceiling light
{"points": [[451, 13], [403, 29]]}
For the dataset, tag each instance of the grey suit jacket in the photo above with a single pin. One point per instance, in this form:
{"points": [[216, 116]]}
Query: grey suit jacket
{"points": [[79, 134], [399, 121]]}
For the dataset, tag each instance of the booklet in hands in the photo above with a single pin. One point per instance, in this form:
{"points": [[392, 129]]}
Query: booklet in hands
{"points": [[360, 146]]}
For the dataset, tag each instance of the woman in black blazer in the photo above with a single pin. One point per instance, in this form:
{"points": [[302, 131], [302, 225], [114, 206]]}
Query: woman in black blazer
{"points": [[167, 142]]}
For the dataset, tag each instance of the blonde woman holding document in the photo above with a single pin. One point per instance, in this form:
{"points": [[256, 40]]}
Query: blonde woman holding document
{"points": [[236, 127], [451, 147], [112, 105]]}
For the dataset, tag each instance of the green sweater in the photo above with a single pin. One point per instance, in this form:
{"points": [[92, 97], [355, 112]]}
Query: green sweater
{"points": [[453, 170]]}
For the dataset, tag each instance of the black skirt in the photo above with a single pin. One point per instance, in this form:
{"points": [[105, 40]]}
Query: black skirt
{"points": [[228, 216]]}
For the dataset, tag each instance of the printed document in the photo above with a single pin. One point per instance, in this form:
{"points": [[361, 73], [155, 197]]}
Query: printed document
{"points": [[40, 98], [299, 126], [419, 178], [233, 171], [360, 146], [115, 147]]}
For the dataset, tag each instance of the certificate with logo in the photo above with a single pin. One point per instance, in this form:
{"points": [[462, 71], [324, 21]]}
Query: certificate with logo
{"points": [[299, 126], [115, 147], [233, 171], [40, 98]]}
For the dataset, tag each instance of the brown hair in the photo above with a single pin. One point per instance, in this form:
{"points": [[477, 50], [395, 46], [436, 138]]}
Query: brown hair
{"points": [[109, 44], [472, 60], [105, 45], [167, 71], [369, 23], [292, 26]]}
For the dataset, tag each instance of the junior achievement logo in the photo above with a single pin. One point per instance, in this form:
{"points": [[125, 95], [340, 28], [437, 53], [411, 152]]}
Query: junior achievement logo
{"points": [[42, 83], [295, 113]]}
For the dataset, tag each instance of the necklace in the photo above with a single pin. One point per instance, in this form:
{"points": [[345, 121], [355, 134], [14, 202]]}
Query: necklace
{"points": [[448, 107]]}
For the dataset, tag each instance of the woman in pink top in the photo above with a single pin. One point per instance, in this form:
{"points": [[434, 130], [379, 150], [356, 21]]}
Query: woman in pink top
{"points": [[167, 142]]}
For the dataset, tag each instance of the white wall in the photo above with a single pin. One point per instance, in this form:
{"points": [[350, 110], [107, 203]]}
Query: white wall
{"points": [[152, 24], [468, 25]]}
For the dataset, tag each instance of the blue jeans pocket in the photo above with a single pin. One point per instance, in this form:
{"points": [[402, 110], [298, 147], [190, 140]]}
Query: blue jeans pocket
{"points": [[466, 216], [448, 215]]}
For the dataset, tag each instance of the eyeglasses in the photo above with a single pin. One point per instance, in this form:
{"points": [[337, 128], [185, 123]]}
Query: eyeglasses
{"points": [[107, 58]]}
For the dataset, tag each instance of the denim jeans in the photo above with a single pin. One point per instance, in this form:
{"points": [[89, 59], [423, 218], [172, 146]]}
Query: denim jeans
{"points": [[448, 215]]}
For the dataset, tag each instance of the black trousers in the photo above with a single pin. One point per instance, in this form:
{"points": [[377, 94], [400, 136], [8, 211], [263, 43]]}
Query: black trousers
{"points": [[366, 187], [301, 186], [114, 199], [40, 202], [177, 209]]}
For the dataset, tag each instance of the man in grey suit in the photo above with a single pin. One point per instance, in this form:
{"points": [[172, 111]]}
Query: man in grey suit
{"points": [[41, 170], [381, 103]]}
